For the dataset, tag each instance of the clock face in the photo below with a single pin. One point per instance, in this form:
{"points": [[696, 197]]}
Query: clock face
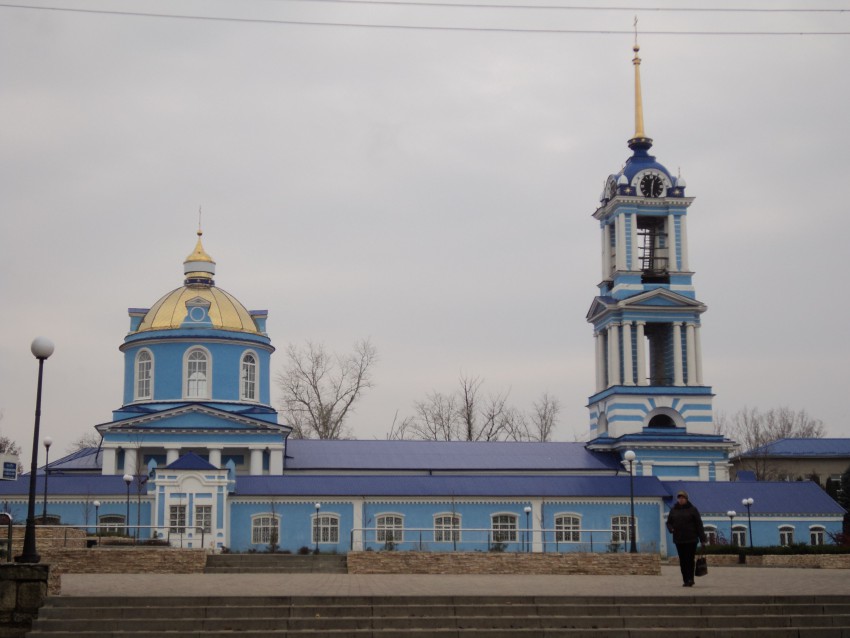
{"points": [[651, 185]]}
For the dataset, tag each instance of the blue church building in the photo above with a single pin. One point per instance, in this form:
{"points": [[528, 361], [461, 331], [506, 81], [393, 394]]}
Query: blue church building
{"points": [[196, 455]]}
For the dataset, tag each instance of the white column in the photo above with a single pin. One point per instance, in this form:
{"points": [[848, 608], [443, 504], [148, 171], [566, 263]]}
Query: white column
{"points": [[633, 243], [109, 461], [599, 339], [677, 354], [171, 454], [130, 455], [536, 525], [359, 524], [641, 354], [628, 375], [683, 241], [689, 355], [698, 355], [276, 462], [621, 242], [613, 355], [606, 251], [671, 243], [721, 471], [703, 469], [215, 456], [256, 462], [647, 468]]}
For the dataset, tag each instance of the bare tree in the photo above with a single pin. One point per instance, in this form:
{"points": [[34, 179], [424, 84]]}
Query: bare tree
{"points": [[544, 418], [320, 389], [754, 431], [84, 441], [437, 418]]}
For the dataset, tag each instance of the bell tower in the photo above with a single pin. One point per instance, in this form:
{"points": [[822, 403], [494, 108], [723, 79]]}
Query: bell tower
{"points": [[650, 395]]}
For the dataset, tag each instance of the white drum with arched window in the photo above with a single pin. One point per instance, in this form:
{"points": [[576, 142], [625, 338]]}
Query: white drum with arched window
{"points": [[248, 377], [197, 377], [144, 375]]}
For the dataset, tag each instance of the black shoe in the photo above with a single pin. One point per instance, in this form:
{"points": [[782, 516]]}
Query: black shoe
{"points": [[690, 583]]}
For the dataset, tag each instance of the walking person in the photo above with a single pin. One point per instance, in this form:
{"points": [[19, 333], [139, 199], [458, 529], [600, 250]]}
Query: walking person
{"points": [[685, 524]]}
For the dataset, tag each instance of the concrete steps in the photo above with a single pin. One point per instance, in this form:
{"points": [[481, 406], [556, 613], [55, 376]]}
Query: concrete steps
{"points": [[276, 564], [455, 616]]}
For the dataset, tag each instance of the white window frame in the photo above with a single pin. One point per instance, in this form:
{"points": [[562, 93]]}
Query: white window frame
{"points": [[140, 379], [327, 527], [111, 523], [504, 527], [739, 535], [389, 528], [262, 527], [567, 527], [621, 529], [786, 535], [447, 526], [249, 373], [817, 535], [207, 393], [177, 519], [203, 518], [711, 534]]}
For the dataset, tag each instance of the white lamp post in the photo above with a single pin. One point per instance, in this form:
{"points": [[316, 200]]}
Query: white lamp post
{"points": [[47, 443], [748, 503], [128, 478], [318, 507], [527, 511], [731, 514]]}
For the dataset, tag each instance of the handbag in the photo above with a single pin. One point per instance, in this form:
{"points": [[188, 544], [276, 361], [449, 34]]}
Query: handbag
{"points": [[701, 567]]}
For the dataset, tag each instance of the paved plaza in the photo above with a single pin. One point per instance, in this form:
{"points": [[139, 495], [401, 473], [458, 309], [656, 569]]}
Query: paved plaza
{"points": [[721, 581]]}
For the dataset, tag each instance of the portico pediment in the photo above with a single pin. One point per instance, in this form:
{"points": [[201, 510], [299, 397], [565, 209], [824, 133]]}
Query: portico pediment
{"points": [[192, 418]]}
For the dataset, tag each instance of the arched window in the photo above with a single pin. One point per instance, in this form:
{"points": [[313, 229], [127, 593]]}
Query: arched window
{"points": [[248, 377], [326, 528], [620, 529], [447, 528], [739, 535], [711, 534], [567, 528], [390, 528], [816, 535], [264, 529], [144, 375], [504, 528], [786, 535], [197, 374], [111, 524]]}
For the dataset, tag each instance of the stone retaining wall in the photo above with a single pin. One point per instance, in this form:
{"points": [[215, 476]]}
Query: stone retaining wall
{"points": [[46, 537], [809, 561], [501, 563], [23, 589]]}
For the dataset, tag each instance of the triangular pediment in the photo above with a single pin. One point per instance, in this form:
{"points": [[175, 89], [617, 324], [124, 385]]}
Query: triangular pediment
{"points": [[192, 418], [661, 297], [599, 306]]}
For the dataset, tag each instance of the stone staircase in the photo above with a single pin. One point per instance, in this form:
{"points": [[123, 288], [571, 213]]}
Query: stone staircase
{"points": [[454, 616], [276, 564]]}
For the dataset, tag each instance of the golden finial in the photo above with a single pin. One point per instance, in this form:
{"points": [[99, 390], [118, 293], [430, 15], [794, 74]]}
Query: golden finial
{"points": [[640, 135], [199, 254]]}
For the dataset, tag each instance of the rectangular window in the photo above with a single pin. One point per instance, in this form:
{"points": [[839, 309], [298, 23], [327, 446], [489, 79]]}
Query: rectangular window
{"points": [[739, 536], [816, 536], [504, 528], [786, 536], [264, 529], [390, 529], [177, 519], [620, 529], [326, 529], [446, 528], [567, 529], [203, 518], [711, 535]]}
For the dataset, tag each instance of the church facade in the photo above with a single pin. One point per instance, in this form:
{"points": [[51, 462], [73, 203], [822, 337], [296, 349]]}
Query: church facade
{"points": [[195, 454]]}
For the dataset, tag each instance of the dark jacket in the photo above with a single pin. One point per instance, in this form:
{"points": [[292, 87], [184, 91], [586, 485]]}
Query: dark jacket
{"points": [[685, 523]]}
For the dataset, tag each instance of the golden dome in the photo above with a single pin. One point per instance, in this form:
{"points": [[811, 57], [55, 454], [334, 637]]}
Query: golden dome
{"points": [[225, 311], [199, 254]]}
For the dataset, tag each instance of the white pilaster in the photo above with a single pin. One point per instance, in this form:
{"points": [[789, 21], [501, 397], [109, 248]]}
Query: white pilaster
{"points": [[537, 525], [359, 523], [256, 462], [606, 251], [633, 243], [276, 462], [109, 461], [721, 471], [172, 454], [677, 354], [628, 375], [130, 455], [215, 456], [599, 339], [641, 355], [647, 468], [621, 242], [671, 244], [698, 355], [703, 470], [613, 355], [683, 240], [690, 355]]}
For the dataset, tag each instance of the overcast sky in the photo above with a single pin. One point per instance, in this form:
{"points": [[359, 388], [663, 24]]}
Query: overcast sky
{"points": [[429, 189]]}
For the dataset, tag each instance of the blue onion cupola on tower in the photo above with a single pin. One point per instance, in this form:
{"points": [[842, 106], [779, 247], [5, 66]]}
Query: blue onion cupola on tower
{"points": [[650, 395], [197, 344]]}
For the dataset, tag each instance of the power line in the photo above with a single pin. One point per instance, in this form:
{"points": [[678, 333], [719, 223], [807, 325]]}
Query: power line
{"points": [[355, 25]]}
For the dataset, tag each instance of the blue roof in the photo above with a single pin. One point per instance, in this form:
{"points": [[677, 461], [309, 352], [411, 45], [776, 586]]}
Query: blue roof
{"points": [[191, 461], [448, 485], [84, 485], [769, 497], [86, 459], [445, 456], [823, 448]]}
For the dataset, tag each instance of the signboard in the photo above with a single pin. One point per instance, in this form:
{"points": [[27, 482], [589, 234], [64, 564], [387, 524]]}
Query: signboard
{"points": [[10, 467]]}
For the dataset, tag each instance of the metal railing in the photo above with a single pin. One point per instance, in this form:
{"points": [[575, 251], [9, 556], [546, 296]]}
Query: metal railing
{"points": [[520, 539]]}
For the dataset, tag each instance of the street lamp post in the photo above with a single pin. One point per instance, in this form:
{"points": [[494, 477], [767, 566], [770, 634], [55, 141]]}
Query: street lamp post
{"points": [[527, 511], [731, 514], [41, 349], [318, 507], [127, 479], [47, 443], [748, 503], [97, 520], [630, 457]]}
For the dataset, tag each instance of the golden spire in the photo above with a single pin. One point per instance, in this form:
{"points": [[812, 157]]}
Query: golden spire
{"points": [[199, 267], [640, 136], [199, 254]]}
